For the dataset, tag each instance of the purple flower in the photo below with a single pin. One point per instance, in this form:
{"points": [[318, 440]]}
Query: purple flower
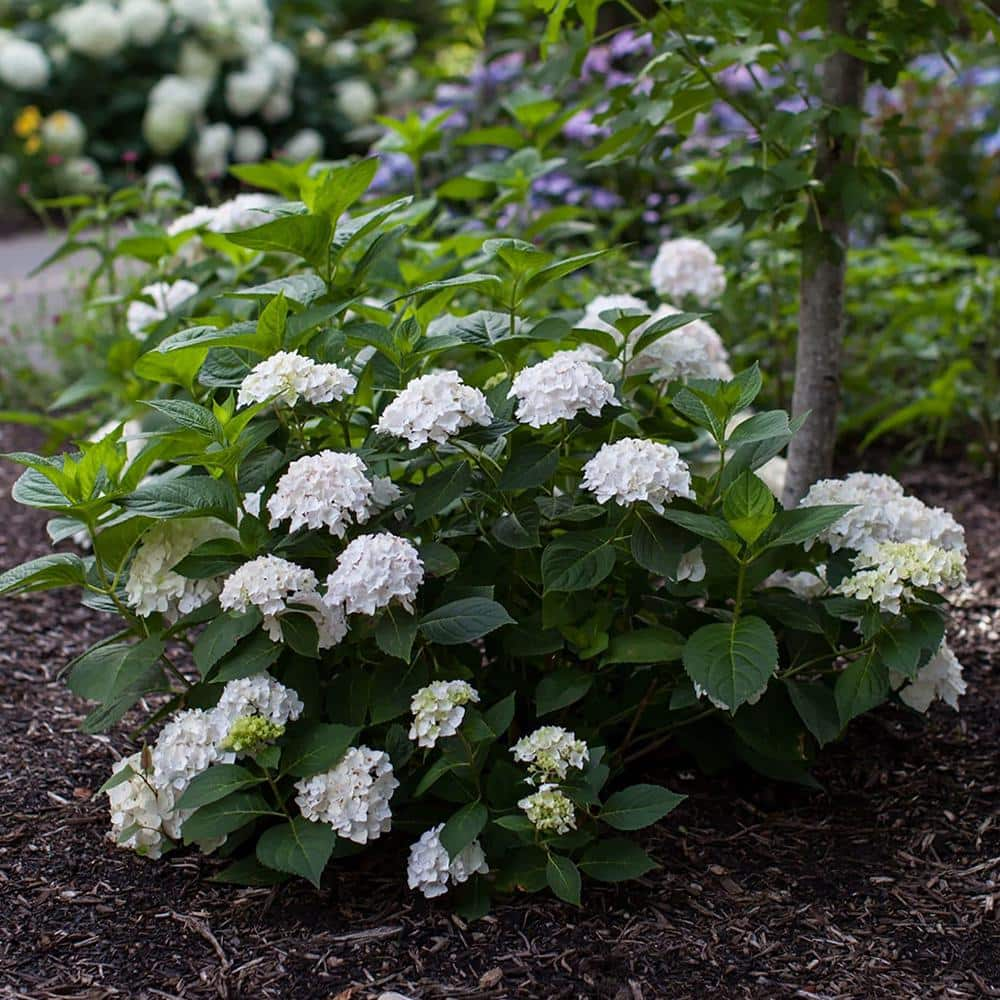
{"points": [[582, 127], [394, 171], [627, 43]]}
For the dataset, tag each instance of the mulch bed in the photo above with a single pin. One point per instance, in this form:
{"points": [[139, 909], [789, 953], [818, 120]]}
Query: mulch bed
{"points": [[885, 885]]}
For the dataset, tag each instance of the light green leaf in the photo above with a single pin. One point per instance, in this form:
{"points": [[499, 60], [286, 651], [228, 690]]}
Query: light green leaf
{"points": [[639, 806]]}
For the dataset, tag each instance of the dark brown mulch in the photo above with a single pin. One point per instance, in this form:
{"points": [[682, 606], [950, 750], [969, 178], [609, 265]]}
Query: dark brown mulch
{"points": [[885, 885]]}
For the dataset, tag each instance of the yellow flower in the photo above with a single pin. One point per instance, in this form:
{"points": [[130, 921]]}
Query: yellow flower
{"points": [[27, 122], [32, 144]]}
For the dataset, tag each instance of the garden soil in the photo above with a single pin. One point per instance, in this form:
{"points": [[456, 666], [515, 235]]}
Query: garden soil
{"points": [[884, 885]]}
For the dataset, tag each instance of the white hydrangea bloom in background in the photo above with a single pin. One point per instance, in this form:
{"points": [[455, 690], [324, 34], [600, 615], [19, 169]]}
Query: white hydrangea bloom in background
{"points": [[267, 583], [245, 211], [886, 573], [93, 29], [431, 872], [549, 810], [433, 408], [153, 585], [356, 100], [252, 501], [187, 745], [145, 20], [287, 375], [634, 469], [691, 567], [373, 571], [549, 752], [306, 144], [248, 89], [591, 319], [326, 490], [259, 695], [211, 149], [63, 133], [773, 474], [685, 267], [438, 710], [23, 64], [165, 127], [558, 389], [940, 678], [249, 144], [694, 350], [385, 492], [136, 802], [806, 584], [352, 797], [166, 298]]}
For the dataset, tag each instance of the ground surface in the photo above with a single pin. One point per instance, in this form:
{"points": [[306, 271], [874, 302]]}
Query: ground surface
{"points": [[886, 885]]}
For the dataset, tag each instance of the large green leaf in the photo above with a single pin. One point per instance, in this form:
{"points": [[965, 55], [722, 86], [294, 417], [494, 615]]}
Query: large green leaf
{"points": [[577, 562], [395, 632], [221, 636], [657, 545], [639, 806], [61, 569], [817, 707], [791, 527], [216, 783], [748, 507], [190, 496], [562, 688], [464, 620], [615, 860], [317, 749], [306, 236], [563, 878], [861, 686], [301, 289], [299, 847], [532, 465], [463, 827], [440, 491], [219, 819], [647, 645]]}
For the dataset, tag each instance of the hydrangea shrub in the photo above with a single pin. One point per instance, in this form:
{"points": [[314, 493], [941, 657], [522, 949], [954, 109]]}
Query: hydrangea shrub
{"points": [[441, 566]]}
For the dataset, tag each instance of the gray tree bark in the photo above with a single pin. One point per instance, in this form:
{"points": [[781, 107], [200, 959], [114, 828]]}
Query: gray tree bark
{"points": [[821, 288]]}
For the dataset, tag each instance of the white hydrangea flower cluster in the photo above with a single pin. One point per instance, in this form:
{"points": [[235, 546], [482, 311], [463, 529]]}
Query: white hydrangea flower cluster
{"points": [[93, 29], [166, 298], [549, 810], [434, 407], [549, 752], [591, 319], [685, 267], [325, 490], [634, 469], [887, 572], [438, 710], [153, 585], [940, 678], [352, 797], [882, 513], [259, 695], [373, 571], [558, 389], [245, 211], [23, 64], [431, 872], [142, 815], [188, 745], [287, 375], [806, 584], [694, 350]]}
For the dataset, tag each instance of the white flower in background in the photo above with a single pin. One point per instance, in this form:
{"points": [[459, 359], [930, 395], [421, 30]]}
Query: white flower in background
{"points": [[136, 802], [165, 127], [325, 490], [245, 211], [591, 319], [882, 513], [372, 572], [248, 89], [287, 375], [79, 175], [549, 752], [249, 144], [187, 745], [259, 695], [353, 797], [773, 474], [182, 93], [211, 150], [94, 29], [634, 469], [694, 350], [805, 584], [195, 62], [940, 678], [23, 64], [691, 567], [356, 100], [330, 620], [341, 52], [164, 176], [252, 501], [306, 144], [281, 62], [685, 267], [166, 299], [385, 492], [558, 389], [886, 573], [145, 20], [549, 810], [438, 710], [153, 585], [433, 408], [267, 583], [277, 108], [431, 871], [63, 134]]}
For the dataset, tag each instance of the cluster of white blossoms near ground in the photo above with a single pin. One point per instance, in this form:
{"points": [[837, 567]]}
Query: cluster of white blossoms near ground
{"points": [[432, 873], [166, 298], [287, 376]]}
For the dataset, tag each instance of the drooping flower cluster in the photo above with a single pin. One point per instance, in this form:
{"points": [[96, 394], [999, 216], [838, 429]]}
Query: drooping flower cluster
{"points": [[685, 267], [549, 810], [434, 407], [142, 815], [549, 752], [152, 583], [325, 490], [558, 389], [940, 678], [166, 298], [634, 469], [352, 797], [373, 571], [887, 572], [288, 375], [438, 710], [431, 872]]}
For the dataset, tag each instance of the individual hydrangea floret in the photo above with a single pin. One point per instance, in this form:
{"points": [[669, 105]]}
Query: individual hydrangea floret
{"points": [[249, 733], [558, 389], [549, 752], [373, 571], [632, 469], [434, 407], [691, 567], [352, 797], [549, 810], [286, 376], [267, 583], [166, 298], [260, 695], [694, 350], [438, 710], [940, 678], [326, 490], [187, 745], [431, 871], [806, 584], [154, 586], [684, 267], [887, 573]]}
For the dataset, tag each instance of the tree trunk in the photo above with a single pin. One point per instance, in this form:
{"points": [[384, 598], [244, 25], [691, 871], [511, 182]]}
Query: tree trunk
{"points": [[824, 265]]}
